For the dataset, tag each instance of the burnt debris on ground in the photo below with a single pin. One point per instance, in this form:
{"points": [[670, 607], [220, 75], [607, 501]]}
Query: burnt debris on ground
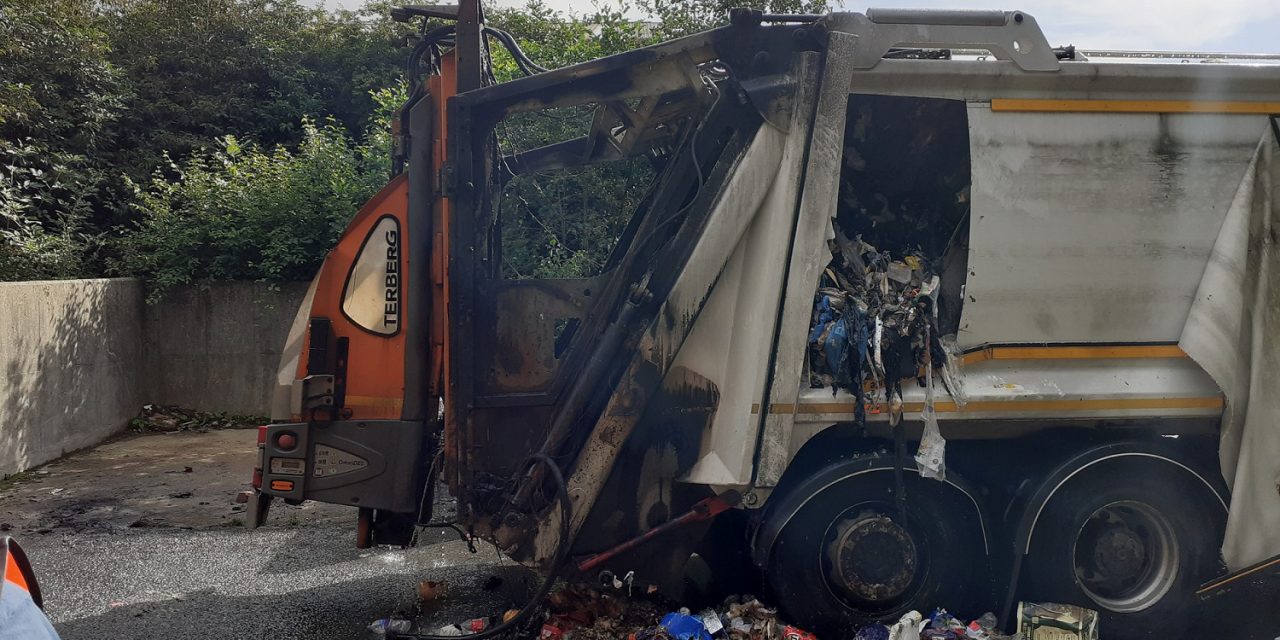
{"points": [[578, 612]]}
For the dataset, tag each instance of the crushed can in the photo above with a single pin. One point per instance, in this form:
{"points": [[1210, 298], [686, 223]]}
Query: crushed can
{"points": [[796, 633], [550, 632], [1051, 621]]}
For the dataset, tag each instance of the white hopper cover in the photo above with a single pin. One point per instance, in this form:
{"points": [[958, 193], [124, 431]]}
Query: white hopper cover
{"points": [[1231, 332]]}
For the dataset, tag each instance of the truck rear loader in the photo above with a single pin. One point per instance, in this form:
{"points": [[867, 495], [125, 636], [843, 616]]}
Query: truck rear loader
{"points": [[936, 312]]}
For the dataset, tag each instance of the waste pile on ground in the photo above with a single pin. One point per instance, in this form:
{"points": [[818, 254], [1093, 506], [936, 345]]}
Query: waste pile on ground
{"points": [[578, 612]]}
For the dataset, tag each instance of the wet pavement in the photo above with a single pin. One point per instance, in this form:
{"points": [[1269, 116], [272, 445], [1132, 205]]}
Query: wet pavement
{"points": [[118, 557]]}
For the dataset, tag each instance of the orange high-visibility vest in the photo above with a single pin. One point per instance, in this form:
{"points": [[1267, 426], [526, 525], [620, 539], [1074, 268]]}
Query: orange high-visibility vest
{"points": [[17, 571]]}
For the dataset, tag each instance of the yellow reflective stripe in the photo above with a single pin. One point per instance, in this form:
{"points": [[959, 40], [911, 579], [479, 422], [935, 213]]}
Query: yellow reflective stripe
{"points": [[1084, 352], [994, 406], [1133, 106]]}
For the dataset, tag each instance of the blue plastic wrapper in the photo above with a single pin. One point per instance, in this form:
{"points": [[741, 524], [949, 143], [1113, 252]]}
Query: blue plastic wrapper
{"points": [[684, 627], [822, 309], [943, 620]]}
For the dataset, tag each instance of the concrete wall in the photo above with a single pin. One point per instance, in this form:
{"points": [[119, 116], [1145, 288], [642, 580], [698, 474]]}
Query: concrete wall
{"points": [[216, 348], [71, 352], [80, 357]]}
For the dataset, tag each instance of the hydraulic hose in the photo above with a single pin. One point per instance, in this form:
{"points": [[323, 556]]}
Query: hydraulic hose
{"points": [[557, 560], [528, 66], [424, 45]]}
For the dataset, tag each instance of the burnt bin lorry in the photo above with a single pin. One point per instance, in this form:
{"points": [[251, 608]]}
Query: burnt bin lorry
{"points": [[929, 311]]}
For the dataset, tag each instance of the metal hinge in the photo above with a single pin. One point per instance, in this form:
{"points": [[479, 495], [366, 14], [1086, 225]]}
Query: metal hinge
{"points": [[313, 392]]}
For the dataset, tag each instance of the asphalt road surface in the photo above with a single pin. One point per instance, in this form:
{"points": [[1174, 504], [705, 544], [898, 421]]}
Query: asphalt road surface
{"points": [[142, 538]]}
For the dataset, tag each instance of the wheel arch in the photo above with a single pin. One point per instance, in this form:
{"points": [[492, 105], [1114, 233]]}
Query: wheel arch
{"points": [[1074, 466], [782, 508], [1055, 480]]}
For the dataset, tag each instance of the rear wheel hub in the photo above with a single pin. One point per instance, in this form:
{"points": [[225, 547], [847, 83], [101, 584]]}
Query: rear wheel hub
{"points": [[873, 558], [1126, 556]]}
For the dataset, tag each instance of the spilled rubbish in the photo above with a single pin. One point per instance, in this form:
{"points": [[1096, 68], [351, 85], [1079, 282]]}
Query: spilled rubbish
{"points": [[580, 612], [682, 626], [390, 626], [940, 625], [875, 324]]}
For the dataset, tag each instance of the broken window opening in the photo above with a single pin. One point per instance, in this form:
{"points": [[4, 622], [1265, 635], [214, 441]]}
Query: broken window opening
{"points": [[571, 178], [565, 223], [893, 288]]}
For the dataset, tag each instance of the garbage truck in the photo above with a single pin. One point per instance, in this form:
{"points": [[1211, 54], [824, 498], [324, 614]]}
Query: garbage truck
{"points": [[930, 312]]}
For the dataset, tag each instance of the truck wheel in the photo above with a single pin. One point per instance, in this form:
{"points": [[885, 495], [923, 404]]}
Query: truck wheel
{"points": [[846, 557], [1132, 538]]}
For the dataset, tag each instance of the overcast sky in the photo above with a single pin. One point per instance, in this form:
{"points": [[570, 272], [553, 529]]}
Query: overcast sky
{"points": [[1187, 25]]}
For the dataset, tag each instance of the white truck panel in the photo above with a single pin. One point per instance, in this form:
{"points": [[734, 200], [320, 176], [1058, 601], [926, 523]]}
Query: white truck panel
{"points": [[724, 345], [1102, 221]]}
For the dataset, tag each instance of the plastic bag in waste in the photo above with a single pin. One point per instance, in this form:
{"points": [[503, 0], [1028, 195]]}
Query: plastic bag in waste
{"points": [[385, 626], [908, 627], [682, 626], [931, 457]]}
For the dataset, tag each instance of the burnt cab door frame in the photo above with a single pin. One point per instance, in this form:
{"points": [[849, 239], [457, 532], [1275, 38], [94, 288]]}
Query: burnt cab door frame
{"points": [[532, 359]]}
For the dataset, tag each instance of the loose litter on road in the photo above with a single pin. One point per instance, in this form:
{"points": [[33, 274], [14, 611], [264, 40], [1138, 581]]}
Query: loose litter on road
{"points": [[579, 612]]}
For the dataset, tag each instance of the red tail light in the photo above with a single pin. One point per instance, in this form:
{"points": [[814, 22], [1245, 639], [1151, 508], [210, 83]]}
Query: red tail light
{"points": [[262, 434], [257, 477]]}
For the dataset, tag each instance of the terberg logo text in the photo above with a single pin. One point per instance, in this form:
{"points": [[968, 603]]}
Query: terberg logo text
{"points": [[391, 313]]}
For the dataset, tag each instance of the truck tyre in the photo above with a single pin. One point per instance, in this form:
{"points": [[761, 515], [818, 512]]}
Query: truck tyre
{"points": [[1132, 538], [846, 558]]}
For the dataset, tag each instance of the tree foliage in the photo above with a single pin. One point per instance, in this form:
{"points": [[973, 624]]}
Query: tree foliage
{"points": [[182, 141], [247, 212], [58, 101], [205, 69]]}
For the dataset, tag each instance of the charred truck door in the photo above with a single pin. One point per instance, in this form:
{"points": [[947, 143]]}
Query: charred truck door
{"points": [[425, 352], [555, 371]]}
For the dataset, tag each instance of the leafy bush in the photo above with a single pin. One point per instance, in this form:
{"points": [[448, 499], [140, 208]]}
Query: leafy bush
{"points": [[243, 212], [108, 109], [58, 97]]}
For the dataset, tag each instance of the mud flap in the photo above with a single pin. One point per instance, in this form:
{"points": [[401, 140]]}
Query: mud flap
{"points": [[261, 508]]}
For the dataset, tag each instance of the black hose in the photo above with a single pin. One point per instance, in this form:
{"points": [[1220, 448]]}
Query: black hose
{"points": [[557, 560], [424, 45], [509, 42]]}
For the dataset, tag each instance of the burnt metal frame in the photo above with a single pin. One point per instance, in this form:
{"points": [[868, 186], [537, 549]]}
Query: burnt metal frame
{"points": [[640, 280]]}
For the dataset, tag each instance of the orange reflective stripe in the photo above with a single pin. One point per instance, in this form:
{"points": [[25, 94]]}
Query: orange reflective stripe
{"points": [[12, 573]]}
